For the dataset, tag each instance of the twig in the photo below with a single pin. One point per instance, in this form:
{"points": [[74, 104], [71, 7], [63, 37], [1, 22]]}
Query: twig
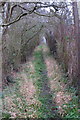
{"points": [[48, 15], [34, 34]]}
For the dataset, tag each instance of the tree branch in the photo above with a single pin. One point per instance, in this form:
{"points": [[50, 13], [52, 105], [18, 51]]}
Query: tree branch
{"points": [[56, 15], [18, 18], [42, 5], [34, 35], [12, 8], [27, 30]]}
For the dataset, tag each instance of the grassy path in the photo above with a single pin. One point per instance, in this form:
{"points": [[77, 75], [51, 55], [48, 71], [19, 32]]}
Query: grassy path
{"points": [[47, 108], [39, 90], [65, 99]]}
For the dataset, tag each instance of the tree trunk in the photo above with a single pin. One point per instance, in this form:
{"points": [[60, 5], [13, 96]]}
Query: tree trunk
{"points": [[5, 65], [77, 38]]}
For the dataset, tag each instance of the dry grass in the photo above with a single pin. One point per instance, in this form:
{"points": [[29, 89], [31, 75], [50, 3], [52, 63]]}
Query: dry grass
{"points": [[26, 90]]}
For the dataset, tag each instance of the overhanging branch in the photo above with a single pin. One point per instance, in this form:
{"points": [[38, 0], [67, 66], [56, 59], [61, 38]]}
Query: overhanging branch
{"points": [[34, 35], [56, 15], [42, 5], [12, 8], [18, 18], [25, 31]]}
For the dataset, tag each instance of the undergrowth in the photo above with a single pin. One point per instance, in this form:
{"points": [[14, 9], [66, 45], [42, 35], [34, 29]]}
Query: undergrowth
{"points": [[73, 106], [46, 107], [13, 92]]}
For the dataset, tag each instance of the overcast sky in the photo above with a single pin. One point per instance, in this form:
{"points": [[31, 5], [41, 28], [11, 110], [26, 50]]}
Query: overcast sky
{"points": [[37, 0]]}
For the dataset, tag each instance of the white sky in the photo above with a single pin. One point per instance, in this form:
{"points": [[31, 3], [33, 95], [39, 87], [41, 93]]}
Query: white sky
{"points": [[37, 0]]}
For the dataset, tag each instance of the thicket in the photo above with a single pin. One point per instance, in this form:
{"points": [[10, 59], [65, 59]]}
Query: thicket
{"points": [[64, 39], [19, 41]]}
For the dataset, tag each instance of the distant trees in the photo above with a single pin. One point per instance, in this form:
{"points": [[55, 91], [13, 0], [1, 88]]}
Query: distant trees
{"points": [[51, 42]]}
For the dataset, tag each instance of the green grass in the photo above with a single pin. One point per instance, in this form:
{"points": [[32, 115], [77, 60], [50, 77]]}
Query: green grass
{"points": [[73, 106], [6, 116], [44, 111]]}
